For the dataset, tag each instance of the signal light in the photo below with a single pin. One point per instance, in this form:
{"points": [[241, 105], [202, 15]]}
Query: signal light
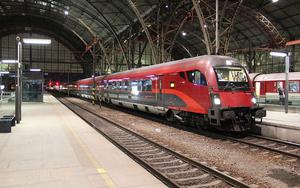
{"points": [[57, 83]]}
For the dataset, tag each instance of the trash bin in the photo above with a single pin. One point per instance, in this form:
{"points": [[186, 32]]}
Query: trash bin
{"points": [[13, 122], [5, 125]]}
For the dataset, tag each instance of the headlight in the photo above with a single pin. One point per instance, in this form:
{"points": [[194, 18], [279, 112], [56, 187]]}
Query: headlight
{"points": [[253, 100], [217, 101]]}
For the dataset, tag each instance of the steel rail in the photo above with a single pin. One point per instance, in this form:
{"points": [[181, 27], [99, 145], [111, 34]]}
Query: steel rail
{"points": [[269, 148]]}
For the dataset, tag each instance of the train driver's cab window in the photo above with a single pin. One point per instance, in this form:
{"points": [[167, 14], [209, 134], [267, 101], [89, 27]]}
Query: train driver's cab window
{"points": [[196, 77]]}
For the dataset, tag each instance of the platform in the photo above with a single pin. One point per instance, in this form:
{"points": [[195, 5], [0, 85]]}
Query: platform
{"points": [[280, 108], [281, 125], [52, 147]]}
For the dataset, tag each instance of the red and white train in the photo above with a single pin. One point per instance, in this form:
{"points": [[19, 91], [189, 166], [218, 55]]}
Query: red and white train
{"points": [[267, 87], [205, 90]]}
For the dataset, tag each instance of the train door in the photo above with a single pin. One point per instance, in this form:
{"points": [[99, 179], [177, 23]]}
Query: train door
{"points": [[257, 89], [160, 95]]}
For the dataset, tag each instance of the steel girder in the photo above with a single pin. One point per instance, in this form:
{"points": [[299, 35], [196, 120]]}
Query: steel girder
{"points": [[111, 28], [203, 25], [145, 28], [266, 26], [205, 12]]}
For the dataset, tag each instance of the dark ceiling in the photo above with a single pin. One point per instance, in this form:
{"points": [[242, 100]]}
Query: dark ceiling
{"points": [[257, 23]]}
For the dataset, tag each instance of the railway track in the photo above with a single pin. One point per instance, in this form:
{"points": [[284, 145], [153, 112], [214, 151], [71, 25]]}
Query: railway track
{"points": [[278, 146], [172, 168], [266, 143]]}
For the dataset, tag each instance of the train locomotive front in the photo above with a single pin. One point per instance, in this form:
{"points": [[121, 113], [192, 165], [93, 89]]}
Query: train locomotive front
{"points": [[233, 104]]}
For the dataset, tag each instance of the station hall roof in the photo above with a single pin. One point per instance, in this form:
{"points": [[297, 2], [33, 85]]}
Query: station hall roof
{"points": [[251, 23]]}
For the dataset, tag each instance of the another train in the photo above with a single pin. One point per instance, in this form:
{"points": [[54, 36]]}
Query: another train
{"points": [[208, 90], [267, 87]]}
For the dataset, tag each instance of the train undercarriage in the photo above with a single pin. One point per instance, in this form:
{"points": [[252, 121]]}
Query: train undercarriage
{"points": [[225, 119]]}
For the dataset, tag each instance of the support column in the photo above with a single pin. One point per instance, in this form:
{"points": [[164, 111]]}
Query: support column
{"points": [[217, 27], [93, 76], [18, 94]]}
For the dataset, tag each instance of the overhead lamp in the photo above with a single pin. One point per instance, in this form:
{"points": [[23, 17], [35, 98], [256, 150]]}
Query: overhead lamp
{"points": [[8, 61], [35, 70], [278, 54], [66, 12], [183, 33], [274, 1], [36, 41]]}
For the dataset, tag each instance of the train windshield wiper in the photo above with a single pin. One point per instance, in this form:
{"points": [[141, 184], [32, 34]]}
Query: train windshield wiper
{"points": [[229, 86]]}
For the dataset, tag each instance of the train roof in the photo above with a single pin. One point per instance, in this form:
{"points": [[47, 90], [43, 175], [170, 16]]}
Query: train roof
{"points": [[206, 60], [275, 76], [88, 80]]}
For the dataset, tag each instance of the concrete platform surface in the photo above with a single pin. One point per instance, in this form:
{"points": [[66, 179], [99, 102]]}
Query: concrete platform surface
{"points": [[281, 126], [52, 147], [289, 120]]}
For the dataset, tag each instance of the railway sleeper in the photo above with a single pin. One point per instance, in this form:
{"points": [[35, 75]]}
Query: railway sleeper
{"points": [[140, 147], [147, 151], [259, 142], [292, 151], [159, 158], [193, 178], [210, 184], [165, 162], [187, 171], [174, 167], [281, 148], [270, 145], [132, 143], [152, 154]]}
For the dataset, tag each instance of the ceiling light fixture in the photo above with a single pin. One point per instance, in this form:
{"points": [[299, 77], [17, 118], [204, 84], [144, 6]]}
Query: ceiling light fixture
{"points": [[9, 61], [278, 54], [36, 41]]}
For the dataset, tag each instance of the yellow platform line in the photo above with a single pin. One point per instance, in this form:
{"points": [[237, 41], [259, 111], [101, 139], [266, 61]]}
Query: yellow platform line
{"points": [[100, 170]]}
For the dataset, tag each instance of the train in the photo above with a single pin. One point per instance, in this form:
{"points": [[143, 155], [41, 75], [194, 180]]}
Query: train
{"points": [[204, 91], [267, 87]]}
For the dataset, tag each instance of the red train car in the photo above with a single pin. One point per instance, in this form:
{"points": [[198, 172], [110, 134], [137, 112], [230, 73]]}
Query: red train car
{"points": [[205, 90], [267, 87]]}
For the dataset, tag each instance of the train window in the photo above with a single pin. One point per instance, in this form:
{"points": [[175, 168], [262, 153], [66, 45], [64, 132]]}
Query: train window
{"points": [[118, 85], [182, 75], [231, 74], [134, 87], [110, 85], [294, 86], [147, 85], [196, 77], [114, 85], [124, 85]]}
